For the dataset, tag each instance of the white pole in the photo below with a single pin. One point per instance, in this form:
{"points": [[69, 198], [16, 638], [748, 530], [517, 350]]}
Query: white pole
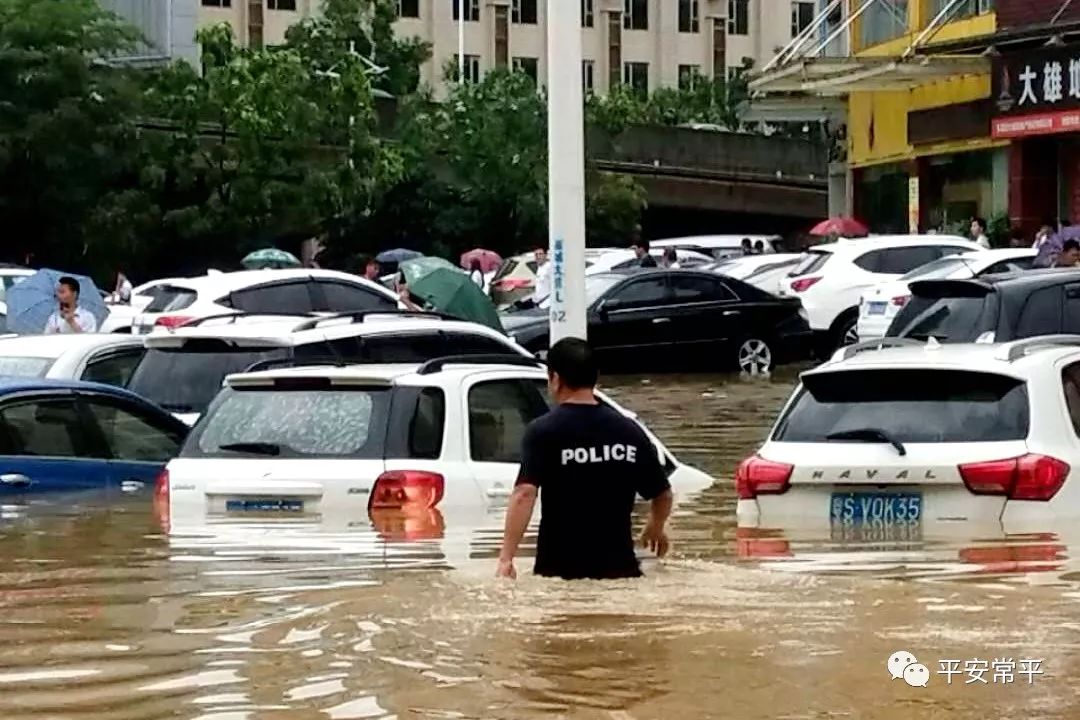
{"points": [[566, 170], [461, 41]]}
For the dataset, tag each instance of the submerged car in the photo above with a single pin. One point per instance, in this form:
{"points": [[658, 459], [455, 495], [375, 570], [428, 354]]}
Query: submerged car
{"points": [[312, 442]]}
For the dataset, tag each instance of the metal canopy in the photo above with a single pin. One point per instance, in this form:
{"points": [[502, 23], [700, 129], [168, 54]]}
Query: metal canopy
{"points": [[794, 108], [828, 76]]}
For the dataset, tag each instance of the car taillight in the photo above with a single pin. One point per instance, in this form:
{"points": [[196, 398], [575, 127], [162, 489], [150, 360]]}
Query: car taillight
{"points": [[401, 489], [758, 476], [804, 284], [1015, 558], [161, 499], [901, 300], [755, 543], [172, 321], [1031, 477], [512, 283]]}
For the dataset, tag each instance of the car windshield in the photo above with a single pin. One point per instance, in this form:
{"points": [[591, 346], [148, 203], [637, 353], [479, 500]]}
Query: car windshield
{"points": [[186, 379], [595, 287], [169, 298], [952, 319], [811, 261], [294, 421], [966, 406], [25, 366], [940, 268]]}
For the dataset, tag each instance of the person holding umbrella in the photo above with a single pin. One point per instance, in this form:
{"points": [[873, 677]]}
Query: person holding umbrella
{"points": [[69, 317]]}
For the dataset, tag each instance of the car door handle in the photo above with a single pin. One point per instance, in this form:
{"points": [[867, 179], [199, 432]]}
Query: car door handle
{"points": [[15, 480], [498, 493], [660, 321], [729, 313]]}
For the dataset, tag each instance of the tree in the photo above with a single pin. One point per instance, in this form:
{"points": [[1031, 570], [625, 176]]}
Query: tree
{"points": [[66, 126]]}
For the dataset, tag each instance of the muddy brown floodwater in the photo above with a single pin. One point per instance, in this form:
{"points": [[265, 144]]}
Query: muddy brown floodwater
{"points": [[102, 616]]}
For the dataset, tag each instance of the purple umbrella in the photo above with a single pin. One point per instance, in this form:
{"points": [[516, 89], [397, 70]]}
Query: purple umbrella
{"points": [[1049, 250]]}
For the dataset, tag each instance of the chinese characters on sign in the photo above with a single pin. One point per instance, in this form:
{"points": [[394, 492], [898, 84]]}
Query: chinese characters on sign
{"points": [[1036, 92], [558, 281]]}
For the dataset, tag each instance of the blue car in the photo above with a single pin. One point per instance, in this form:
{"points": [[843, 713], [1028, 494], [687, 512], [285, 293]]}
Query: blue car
{"points": [[58, 436]]}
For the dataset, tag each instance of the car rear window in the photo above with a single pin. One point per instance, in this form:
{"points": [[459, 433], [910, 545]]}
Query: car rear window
{"points": [[170, 298], [947, 319], [810, 262], [25, 366], [300, 421], [186, 379], [963, 406]]}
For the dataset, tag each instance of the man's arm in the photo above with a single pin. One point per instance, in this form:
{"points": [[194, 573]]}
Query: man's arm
{"points": [[655, 535], [518, 514]]}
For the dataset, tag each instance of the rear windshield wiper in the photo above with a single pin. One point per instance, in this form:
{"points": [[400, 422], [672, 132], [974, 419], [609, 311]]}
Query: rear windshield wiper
{"points": [[869, 435], [255, 448], [177, 407]]}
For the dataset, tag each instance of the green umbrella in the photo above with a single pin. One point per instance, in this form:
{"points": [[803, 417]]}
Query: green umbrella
{"points": [[269, 258], [451, 291], [413, 270]]}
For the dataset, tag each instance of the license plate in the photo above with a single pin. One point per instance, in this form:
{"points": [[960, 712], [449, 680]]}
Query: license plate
{"points": [[900, 508], [876, 308], [265, 505]]}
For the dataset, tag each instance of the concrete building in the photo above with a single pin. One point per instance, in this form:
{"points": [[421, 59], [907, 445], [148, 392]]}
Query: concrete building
{"points": [[645, 43], [167, 27]]}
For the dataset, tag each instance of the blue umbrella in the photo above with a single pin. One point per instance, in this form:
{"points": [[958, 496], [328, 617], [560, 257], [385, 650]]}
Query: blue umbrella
{"points": [[397, 256], [32, 301]]}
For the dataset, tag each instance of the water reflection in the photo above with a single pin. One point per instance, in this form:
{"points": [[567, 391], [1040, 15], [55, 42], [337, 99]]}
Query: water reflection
{"points": [[392, 615]]}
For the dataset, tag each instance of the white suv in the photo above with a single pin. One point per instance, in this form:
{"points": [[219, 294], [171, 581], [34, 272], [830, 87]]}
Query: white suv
{"points": [[261, 291], [183, 369], [830, 278], [337, 445], [924, 439]]}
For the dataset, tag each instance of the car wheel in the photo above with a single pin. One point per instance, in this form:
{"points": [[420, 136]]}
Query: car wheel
{"points": [[754, 356], [848, 333]]}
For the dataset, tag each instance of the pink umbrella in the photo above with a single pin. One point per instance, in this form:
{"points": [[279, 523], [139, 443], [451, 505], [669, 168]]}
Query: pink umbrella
{"points": [[843, 226], [488, 259]]}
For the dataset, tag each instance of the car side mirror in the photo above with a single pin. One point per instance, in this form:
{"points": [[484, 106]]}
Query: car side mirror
{"points": [[602, 308]]}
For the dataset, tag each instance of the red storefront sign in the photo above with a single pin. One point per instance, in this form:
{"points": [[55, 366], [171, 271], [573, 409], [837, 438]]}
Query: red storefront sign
{"points": [[1036, 124]]}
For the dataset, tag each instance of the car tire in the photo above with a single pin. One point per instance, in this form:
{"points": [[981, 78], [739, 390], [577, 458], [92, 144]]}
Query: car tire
{"points": [[847, 331], [754, 356]]}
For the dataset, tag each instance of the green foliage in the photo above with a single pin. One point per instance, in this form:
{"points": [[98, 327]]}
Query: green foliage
{"points": [[613, 209]]}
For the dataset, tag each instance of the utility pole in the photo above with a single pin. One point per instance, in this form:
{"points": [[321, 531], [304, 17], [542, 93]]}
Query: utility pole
{"points": [[566, 170]]}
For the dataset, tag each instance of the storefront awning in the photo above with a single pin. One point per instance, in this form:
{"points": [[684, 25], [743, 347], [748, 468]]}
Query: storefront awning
{"points": [[838, 76], [793, 108]]}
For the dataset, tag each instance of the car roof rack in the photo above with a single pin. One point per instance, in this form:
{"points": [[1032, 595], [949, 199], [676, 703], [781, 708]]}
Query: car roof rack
{"points": [[437, 364], [294, 362], [850, 351], [1011, 352], [232, 318], [362, 315]]}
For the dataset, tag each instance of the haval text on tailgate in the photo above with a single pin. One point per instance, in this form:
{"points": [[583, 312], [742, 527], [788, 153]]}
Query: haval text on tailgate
{"points": [[901, 445]]}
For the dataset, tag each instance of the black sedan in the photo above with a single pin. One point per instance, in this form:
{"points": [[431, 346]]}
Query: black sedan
{"points": [[660, 318]]}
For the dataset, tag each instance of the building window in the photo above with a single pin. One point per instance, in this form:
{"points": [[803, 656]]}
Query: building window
{"points": [[528, 65], [408, 8], [635, 14], [217, 3], [472, 10], [689, 16], [588, 75], [472, 67], [802, 16], [636, 75], [289, 5], [883, 21], [967, 8], [523, 12], [588, 16], [688, 75], [738, 17]]}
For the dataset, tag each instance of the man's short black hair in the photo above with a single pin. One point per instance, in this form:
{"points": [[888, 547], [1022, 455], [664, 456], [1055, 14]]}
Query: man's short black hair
{"points": [[1070, 245], [71, 283], [746, 242], [572, 359], [642, 243], [981, 221]]}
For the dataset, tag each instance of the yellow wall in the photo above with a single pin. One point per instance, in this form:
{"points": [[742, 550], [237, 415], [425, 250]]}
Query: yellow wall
{"points": [[877, 121]]}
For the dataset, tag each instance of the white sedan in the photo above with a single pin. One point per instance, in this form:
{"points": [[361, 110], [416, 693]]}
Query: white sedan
{"points": [[318, 444], [880, 303], [95, 357]]}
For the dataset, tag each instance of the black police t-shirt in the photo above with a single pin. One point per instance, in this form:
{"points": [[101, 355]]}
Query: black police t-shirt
{"points": [[589, 462]]}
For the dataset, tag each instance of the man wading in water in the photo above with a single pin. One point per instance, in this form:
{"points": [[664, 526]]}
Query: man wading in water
{"points": [[590, 461]]}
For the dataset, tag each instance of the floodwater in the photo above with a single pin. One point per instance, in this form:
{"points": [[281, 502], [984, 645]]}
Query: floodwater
{"points": [[102, 616]]}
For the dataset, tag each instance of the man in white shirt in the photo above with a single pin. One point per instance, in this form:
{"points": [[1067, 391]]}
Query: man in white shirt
{"points": [[69, 317], [542, 286], [978, 233]]}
